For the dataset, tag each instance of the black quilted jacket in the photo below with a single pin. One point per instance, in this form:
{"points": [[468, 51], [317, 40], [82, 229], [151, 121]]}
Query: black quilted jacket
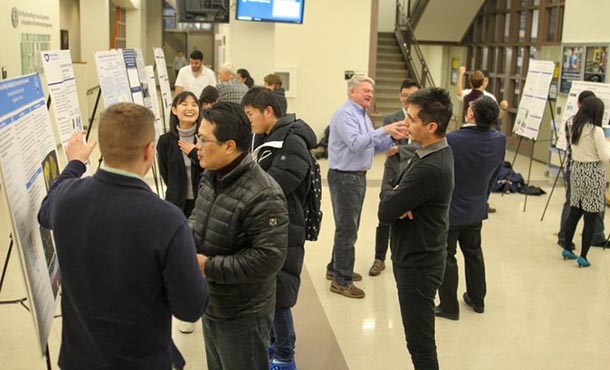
{"points": [[241, 224]]}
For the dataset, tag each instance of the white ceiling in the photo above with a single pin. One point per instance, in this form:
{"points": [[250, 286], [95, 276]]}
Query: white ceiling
{"points": [[446, 20]]}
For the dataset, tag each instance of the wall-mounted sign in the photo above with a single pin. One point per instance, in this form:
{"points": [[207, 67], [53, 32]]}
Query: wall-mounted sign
{"points": [[583, 62]]}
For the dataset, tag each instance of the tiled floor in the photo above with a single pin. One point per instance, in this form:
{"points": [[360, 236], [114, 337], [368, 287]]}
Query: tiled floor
{"points": [[541, 312]]}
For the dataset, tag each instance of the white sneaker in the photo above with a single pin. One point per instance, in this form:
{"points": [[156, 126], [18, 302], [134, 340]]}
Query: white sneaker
{"points": [[186, 327]]}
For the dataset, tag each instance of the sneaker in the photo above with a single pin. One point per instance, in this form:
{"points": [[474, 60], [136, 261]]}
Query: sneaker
{"points": [[186, 327], [276, 364], [477, 309], [355, 276], [350, 291], [378, 266]]}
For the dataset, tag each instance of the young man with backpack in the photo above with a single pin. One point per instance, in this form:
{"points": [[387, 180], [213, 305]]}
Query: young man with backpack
{"points": [[281, 147]]}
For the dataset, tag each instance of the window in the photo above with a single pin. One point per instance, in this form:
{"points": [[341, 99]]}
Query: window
{"points": [[502, 39]]}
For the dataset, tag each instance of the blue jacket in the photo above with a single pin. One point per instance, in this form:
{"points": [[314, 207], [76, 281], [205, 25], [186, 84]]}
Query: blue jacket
{"points": [[128, 264], [478, 155]]}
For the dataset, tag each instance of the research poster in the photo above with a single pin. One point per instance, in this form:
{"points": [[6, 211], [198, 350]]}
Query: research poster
{"points": [[150, 74], [600, 90], [133, 76], [28, 167], [533, 98], [113, 77], [58, 70], [144, 82], [571, 66], [166, 93]]}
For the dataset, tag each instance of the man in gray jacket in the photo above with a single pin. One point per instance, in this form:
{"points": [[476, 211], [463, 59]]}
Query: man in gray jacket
{"points": [[240, 223]]}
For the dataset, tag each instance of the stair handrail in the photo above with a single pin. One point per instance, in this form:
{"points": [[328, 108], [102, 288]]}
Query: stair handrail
{"points": [[406, 40]]}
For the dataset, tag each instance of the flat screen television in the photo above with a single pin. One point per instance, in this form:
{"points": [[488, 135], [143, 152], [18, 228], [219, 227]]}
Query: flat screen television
{"points": [[284, 11]]}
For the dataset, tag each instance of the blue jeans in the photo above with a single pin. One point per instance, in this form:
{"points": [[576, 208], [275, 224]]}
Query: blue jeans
{"points": [[283, 337], [416, 291], [237, 344], [598, 225], [347, 196]]}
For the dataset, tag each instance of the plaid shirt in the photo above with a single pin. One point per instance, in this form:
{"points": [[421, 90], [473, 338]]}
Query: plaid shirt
{"points": [[231, 91]]}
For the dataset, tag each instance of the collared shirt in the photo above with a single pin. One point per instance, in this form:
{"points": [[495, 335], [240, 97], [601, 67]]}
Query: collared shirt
{"points": [[121, 172], [231, 91], [195, 84], [422, 152], [353, 141]]}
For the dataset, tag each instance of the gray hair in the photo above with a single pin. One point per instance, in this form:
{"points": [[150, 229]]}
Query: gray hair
{"points": [[357, 80], [227, 67]]}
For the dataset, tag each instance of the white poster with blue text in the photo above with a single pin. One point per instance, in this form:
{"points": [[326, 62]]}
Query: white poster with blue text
{"points": [[58, 71], [28, 167], [534, 97], [113, 77]]}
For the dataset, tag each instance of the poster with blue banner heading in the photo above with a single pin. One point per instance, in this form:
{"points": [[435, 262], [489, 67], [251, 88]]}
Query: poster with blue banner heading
{"points": [[28, 167]]}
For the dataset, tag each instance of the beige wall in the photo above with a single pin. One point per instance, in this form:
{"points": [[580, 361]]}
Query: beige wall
{"points": [[387, 15], [249, 45], [69, 19], [10, 57], [95, 34], [334, 38]]}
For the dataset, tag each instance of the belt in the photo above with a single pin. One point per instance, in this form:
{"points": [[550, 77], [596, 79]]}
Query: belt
{"points": [[358, 173]]}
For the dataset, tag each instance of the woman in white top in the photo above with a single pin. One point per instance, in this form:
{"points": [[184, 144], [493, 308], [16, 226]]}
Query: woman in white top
{"points": [[590, 152]]}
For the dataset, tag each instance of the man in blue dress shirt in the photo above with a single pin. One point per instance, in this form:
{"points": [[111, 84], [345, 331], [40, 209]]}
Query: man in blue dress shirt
{"points": [[352, 143]]}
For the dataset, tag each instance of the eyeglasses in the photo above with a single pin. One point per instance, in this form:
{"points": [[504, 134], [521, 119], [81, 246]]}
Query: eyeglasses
{"points": [[203, 140]]}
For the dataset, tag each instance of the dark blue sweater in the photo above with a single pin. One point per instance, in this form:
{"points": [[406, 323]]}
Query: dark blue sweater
{"points": [[478, 155], [128, 263]]}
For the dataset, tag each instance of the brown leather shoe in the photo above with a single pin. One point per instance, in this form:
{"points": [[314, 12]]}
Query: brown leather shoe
{"points": [[350, 291], [355, 276], [378, 266]]}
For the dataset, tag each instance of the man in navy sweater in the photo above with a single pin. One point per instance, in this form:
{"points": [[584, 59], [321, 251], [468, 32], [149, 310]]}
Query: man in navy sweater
{"points": [[478, 152], [127, 258]]}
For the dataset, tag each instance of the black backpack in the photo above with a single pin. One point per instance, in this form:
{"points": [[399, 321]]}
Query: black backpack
{"points": [[313, 201]]}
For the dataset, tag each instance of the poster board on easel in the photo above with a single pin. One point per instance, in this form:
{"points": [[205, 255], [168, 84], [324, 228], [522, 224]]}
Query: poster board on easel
{"points": [[600, 90], [113, 77], [28, 166], [533, 99], [166, 92], [59, 74]]}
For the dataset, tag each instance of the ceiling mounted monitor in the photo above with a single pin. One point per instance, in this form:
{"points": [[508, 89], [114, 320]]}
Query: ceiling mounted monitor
{"points": [[208, 11], [284, 11]]}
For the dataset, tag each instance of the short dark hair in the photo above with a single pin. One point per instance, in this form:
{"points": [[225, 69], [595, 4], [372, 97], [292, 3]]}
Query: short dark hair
{"points": [[124, 130], [476, 79], [435, 106], [230, 123], [209, 94], [409, 83], [261, 98], [174, 122], [196, 54], [486, 111], [584, 94], [248, 80]]}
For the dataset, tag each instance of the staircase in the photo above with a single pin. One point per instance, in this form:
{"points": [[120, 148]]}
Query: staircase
{"points": [[391, 71]]}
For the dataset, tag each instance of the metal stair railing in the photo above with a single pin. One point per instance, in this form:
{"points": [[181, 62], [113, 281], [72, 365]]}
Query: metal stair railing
{"points": [[408, 43]]}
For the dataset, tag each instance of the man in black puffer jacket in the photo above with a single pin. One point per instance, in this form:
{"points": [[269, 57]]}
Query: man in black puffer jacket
{"points": [[240, 223], [281, 147]]}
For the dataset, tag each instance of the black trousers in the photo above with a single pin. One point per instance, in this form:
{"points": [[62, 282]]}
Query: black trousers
{"points": [[416, 292], [587, 231], [469, 237]]}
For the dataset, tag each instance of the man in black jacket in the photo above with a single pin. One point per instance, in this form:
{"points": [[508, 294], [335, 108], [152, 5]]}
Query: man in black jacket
{"points": [[417, 210], [240, 222], [281, 147], [127, 257]]}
